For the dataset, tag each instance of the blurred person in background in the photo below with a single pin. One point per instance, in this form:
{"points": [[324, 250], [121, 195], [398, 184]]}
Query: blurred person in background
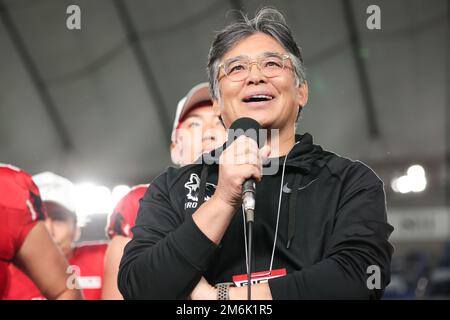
{"points": [[196, 130], [86, 259], [25, 241], [118, 229]]}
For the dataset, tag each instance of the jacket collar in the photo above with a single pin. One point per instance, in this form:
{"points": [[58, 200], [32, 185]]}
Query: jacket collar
{"points": [[302, 156]]}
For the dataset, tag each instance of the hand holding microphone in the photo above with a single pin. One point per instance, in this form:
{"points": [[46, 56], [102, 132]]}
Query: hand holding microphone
{"points": [[240, 164]]}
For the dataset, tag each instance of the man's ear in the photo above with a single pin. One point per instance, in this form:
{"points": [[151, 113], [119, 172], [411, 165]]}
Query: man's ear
{"points": [[216, 107], [302, 96], [175, 153], [218, 112]]}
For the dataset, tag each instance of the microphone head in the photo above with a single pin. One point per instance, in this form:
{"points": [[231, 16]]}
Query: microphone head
{"points": [[248, 127]]}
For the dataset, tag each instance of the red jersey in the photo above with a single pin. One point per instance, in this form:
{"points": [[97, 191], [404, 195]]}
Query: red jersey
{"points": [[20, 209], [87, 262], [20, 287], [123, 217]]}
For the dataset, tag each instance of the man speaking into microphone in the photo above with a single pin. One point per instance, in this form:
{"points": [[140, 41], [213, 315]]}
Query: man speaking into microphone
{"points": [[320, 229]]}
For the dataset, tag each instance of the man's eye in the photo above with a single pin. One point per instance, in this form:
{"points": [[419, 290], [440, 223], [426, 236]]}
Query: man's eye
{"points": [[236, 68], [273, 64], [194, 125]]}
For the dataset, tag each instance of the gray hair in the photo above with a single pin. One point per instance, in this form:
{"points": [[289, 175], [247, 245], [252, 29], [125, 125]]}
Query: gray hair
{"points": [[267, 20]]}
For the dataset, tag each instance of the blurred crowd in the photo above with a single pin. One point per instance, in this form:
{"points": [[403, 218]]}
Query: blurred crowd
{"points": [[40, 257], [420, 275]]}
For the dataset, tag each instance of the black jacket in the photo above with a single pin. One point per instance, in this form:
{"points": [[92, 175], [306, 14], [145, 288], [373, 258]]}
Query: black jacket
{"points": [[332, 227]]}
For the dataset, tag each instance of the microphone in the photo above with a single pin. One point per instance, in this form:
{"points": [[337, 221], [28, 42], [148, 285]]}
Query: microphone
{"points": [[250, 128]]}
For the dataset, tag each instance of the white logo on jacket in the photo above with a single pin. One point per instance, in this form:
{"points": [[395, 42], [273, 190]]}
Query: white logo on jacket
{"points": [[193, 188]]}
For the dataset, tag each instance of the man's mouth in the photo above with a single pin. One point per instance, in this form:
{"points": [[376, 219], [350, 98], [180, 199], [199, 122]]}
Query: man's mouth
{"points": [[258, 98]]}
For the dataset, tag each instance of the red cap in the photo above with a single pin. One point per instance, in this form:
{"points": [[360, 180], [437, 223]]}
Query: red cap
{"points": [[198, 94]]}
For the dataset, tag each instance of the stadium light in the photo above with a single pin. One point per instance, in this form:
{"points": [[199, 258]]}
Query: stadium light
{"points": [[414, 181]]}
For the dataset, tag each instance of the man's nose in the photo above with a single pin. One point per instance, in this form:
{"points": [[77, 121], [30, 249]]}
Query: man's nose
{"points": [[254, 74], [209, 130], [208, 133]]}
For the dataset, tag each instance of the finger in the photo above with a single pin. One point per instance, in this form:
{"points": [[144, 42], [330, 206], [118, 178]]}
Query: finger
{"points": [[256, 173], [251, 171], [265, 152], [251, 157], [244, 144]]}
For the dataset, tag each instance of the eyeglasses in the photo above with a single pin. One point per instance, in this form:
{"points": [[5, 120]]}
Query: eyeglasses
{"points": [[271, 64]]}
